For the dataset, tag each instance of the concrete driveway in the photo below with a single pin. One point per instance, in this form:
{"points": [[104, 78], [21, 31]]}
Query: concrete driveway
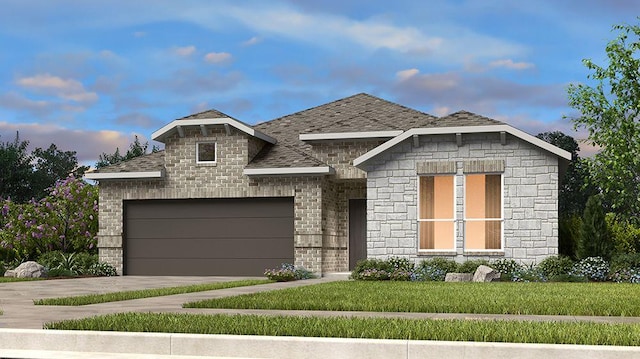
{"points": [[16, 299]]}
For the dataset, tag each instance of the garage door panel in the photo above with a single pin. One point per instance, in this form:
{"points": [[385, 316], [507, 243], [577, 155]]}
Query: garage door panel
{"points": [[240, 236], [221, 267], [204, 248], [210, 228], [224, 208]]}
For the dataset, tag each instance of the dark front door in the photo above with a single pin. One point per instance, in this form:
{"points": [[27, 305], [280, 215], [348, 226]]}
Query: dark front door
{"points": [[357, 231]]}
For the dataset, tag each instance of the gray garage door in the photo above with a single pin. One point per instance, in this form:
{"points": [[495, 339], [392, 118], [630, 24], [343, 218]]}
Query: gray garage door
{"points": [[229, 237]]}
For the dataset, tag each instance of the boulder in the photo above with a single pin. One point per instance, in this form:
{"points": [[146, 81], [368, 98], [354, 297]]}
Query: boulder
{"points": [[10, 273], [28, 269], [486, 274], [458, 277]]}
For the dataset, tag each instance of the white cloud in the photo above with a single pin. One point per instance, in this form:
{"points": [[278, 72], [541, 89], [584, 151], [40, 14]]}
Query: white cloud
{"points": [[252, 41], [217, 57], [68, 89], [184, 51], [441, 111], [406, 74], [511, 65]]}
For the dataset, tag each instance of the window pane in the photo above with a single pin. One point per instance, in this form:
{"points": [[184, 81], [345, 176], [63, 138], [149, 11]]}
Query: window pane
{"points": [[474, 196], [436, 197], [483, 234], [437, 235], [206, 152]]}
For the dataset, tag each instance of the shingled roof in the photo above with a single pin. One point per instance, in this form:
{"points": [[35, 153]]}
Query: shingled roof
{"points": [[357, 113]]}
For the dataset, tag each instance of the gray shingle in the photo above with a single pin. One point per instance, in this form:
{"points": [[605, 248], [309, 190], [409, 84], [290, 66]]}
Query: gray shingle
{"points": [[465, 118], [150, 162]]}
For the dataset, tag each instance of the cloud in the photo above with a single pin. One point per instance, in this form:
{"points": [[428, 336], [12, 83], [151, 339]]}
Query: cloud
{"points": [[68, 89], [13, 100], [252, 41], [217, 57], [88, 144], [406, 74], [139, 120], [509, 64], [184, 51]]}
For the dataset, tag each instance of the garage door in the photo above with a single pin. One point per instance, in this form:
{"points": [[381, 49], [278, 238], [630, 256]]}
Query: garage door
{"points": [[228, 237]]}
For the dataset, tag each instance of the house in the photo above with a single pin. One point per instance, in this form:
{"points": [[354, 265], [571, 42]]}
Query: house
{"points": [[325, 187]]}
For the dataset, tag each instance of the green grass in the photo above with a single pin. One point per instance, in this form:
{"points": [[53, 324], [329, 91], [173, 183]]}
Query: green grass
{"points": [[146, 293], [376, 328], [590, 299], [12, 279]]}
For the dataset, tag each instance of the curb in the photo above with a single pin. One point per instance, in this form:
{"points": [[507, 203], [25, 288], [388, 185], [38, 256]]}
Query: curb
{"points": [[38, 343]]}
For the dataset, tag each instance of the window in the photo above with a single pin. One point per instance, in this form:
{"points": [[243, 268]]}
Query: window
{"points": [[437, 212], [206, 152], [483, 212]]}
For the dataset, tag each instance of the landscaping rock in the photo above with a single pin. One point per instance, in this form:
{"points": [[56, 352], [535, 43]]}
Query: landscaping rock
{"points": [[486, 274], [10, 273], [458, 277], [28, 269]]}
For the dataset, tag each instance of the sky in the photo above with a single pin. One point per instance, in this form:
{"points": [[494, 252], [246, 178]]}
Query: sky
{"points": [[88, 76]]}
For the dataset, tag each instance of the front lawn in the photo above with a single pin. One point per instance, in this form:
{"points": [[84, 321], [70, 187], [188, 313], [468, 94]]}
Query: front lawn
{"points": [[375, 328], [590, 299], [13, 279], [146, 293]]}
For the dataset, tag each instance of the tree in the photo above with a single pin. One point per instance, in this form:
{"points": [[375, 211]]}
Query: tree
{"points": [[52, 165], [136, 149], [577, 186], [15, 177], [596, 239], [609, 111]]}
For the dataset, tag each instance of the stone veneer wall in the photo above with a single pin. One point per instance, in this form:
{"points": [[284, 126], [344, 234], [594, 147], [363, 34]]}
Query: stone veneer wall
{"points": [[186, 179], [530, 196]]}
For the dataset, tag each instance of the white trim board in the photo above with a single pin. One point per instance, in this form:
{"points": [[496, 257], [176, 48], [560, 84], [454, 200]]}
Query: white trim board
{"points": [[124, 175], [348, 135], [462, 129], [162, 133], [325, 170]]}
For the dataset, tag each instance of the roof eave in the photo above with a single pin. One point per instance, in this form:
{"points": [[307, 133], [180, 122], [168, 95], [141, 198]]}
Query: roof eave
{"points": [[288, 171], [349, 135], [461, 129], [96, 176], [168, 129]]}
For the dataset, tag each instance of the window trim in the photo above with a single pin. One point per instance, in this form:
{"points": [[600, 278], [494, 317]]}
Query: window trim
{"points": [[453, 220], [215, 153], [465, 219]]}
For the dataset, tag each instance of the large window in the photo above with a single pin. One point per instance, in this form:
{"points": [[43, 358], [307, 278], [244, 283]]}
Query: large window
{"points": [[206, 152], [483, 212], [437, 212]]}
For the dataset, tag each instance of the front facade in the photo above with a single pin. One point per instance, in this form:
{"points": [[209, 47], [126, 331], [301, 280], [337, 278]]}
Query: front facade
{"points": [[323, 188]]}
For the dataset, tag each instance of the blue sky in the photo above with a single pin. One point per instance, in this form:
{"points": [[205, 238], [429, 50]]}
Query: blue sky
{"points": [[89, 75]]}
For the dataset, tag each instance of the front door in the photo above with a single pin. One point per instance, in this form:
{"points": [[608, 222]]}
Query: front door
{"points": [[357, 231]]}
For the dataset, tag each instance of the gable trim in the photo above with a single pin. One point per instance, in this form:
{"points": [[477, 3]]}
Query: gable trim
{"points": [[165, 131], [349, 135], [124, 175], [462, 129], [324, 170]]}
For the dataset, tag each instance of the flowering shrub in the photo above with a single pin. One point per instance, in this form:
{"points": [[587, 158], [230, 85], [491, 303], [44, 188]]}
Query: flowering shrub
{"points": [[102, 269], [287, 272], [506, 266], [429, 273], [374, 274], [65, 220], [528, 274], [593, 268], [401, 275], [555, 266]]}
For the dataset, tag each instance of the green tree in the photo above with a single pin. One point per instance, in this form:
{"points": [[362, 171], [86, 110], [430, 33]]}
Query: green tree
{"points": [[15, 176], [576, 186], [136, 149], [52, 165], [596, 238], [609, 110]]}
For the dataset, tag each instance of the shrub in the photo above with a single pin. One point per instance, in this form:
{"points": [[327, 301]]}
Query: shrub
{"points": [[595, 240], [528, 273], [102, 269], [435, 269], [373, 274], [371, 264], [287, 272], [472, 265], [50, 259], [625, 261], [60, 272], [401, 275], [555, 266], [624, 235], [506, 266], [567, 278], [401, 264], [592, 268]]}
